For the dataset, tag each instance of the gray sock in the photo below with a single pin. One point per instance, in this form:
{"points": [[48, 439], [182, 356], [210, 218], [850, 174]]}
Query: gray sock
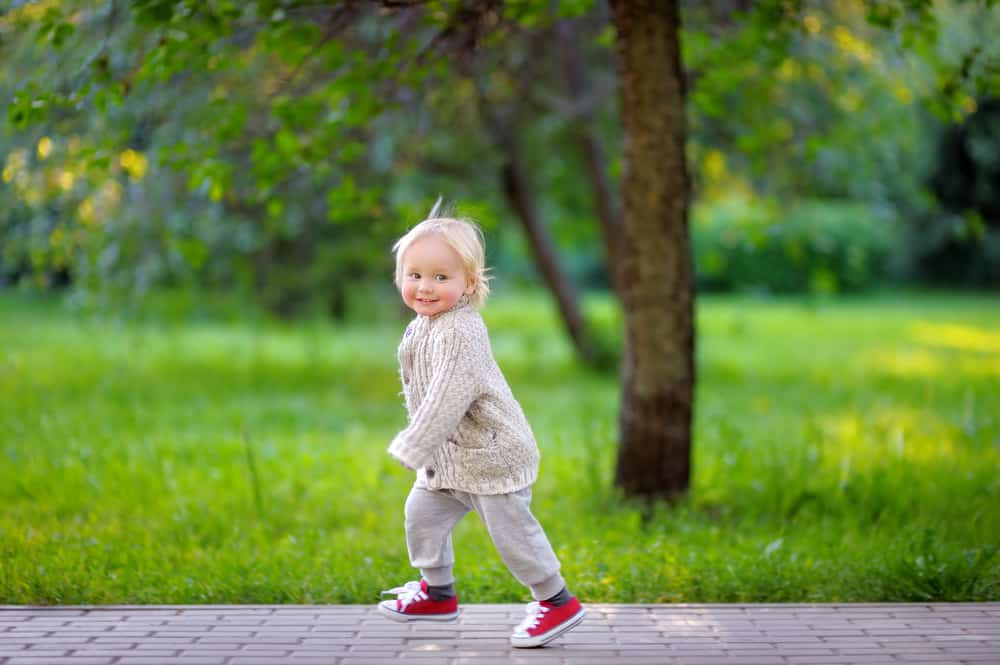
{"points": [[560, 598], [443, 592]]}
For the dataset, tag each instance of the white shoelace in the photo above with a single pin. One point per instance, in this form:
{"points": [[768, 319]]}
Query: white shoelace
{"points": [[407, 594], [535, 611]]}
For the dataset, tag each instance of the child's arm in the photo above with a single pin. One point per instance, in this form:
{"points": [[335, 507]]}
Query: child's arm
{"points": [[454, 386]]}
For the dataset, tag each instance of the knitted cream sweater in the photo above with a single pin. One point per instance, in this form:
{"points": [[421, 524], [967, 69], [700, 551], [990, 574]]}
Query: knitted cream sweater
{"points": [[466, 431]]}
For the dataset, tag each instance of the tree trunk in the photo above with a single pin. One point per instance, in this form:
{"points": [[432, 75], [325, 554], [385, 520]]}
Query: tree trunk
{"points": [[521, 201], [655, 272], [590, 149], [520, 198]]}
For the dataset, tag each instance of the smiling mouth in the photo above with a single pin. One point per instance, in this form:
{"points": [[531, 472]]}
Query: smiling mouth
{"points": [[425, 300]]}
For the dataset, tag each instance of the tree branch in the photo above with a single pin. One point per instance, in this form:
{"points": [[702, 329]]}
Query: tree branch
{"points": [[336, 22]]}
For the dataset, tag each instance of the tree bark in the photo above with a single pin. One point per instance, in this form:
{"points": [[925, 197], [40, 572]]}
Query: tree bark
{"points": [[590, 149], [655, 271], [521, 200]]}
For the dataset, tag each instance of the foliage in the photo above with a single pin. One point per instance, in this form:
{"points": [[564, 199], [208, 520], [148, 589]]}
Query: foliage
{"points": [[955, 249], [810, 246], [278, 147], [960, 243], [967, 177], [222, 148], [845, 451], [846, 103]]}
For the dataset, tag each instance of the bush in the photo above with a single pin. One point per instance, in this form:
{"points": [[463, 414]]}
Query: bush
{"points": [[813, 246]]}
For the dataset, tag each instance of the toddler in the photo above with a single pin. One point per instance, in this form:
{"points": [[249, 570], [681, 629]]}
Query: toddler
{"points": [[467, 437]]}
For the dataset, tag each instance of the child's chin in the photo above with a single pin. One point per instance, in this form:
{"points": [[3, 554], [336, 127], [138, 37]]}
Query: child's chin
{"points": [[426, 308]]}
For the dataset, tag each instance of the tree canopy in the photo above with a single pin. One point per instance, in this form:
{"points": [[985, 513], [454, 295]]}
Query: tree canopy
{"points": [[279, 146]]}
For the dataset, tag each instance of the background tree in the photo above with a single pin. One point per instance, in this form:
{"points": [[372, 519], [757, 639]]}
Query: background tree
{"points": [[279, 146], [655, 277]]}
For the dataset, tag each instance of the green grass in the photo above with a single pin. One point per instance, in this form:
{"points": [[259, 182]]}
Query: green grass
{"points": [[845, 450]]}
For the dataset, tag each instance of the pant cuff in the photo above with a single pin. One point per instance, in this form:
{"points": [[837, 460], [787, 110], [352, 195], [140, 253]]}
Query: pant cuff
{"points": [[439, 576], [548, 587]]}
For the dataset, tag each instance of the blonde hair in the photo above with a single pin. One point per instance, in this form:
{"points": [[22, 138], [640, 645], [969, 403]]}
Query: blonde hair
{"points": [[461, 234]]}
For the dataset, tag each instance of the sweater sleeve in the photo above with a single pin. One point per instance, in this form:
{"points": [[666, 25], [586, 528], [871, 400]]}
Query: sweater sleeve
{"points": [[454, 386]]}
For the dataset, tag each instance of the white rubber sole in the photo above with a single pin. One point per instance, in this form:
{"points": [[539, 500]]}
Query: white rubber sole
{"points": [[387, 608], [545, 638]]}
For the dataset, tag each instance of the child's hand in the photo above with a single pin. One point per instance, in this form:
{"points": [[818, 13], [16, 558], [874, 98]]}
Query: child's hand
{"points": [[402, 463]]}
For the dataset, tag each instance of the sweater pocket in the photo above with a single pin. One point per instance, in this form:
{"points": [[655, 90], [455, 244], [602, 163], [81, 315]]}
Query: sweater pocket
{"points": [[460, 441], [494, 469], [471, 434]]}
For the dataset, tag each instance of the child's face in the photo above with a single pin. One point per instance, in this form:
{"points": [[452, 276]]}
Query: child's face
{"points": [[433, 276]]}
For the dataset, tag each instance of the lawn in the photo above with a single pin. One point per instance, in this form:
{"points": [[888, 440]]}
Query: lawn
{"points": [[844, 450]]}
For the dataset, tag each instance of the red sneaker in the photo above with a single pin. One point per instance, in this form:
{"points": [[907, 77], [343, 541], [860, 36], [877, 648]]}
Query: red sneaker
{"points": [[413, 604], [545, 622]]}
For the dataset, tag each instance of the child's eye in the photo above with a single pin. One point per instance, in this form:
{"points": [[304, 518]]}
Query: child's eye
{"points": [[414, 275], [440, 278]]}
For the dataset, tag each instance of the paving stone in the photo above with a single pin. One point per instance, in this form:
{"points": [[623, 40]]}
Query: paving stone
{"points": [[68, 660], [129, 643], [40, 655], [376, 648], [193, 660], [275, 641], [376, 641], [923, 657], [329, 654], [484, 642], [755, 652], [829, 660], [620, 660], [64, 639], [648, 652], [425, 634], [591, 651], [993, 658], [388, 661], [367, 653], [866, 641], [56, 643], [177, 660], [597, 638], [25, 633], [310, 660], [804, 651], [950, 643], [966, 651], [728, 660], [819, 634], [211, 653], [112, 653]]}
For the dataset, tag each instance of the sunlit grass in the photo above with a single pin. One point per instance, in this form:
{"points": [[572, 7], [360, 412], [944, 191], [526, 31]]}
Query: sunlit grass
{"points": [[962, 338], [844, 450]]}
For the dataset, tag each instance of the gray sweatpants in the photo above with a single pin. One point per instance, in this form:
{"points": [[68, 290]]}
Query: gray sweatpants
{"points": [[432, 514]]}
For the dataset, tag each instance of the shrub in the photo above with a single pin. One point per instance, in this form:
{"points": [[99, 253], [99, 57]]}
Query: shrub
{"points": [[812, 246]]}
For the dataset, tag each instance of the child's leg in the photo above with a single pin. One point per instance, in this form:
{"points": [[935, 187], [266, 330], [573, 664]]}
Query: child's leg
{"points": [[520, 540], [430, 517]]}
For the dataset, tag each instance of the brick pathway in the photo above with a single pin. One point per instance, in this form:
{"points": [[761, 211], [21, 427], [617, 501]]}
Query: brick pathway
{"points": [[937, 634]]}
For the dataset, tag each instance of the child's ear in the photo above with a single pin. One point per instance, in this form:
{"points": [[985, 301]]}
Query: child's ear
{"points": [[470, 287]]}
